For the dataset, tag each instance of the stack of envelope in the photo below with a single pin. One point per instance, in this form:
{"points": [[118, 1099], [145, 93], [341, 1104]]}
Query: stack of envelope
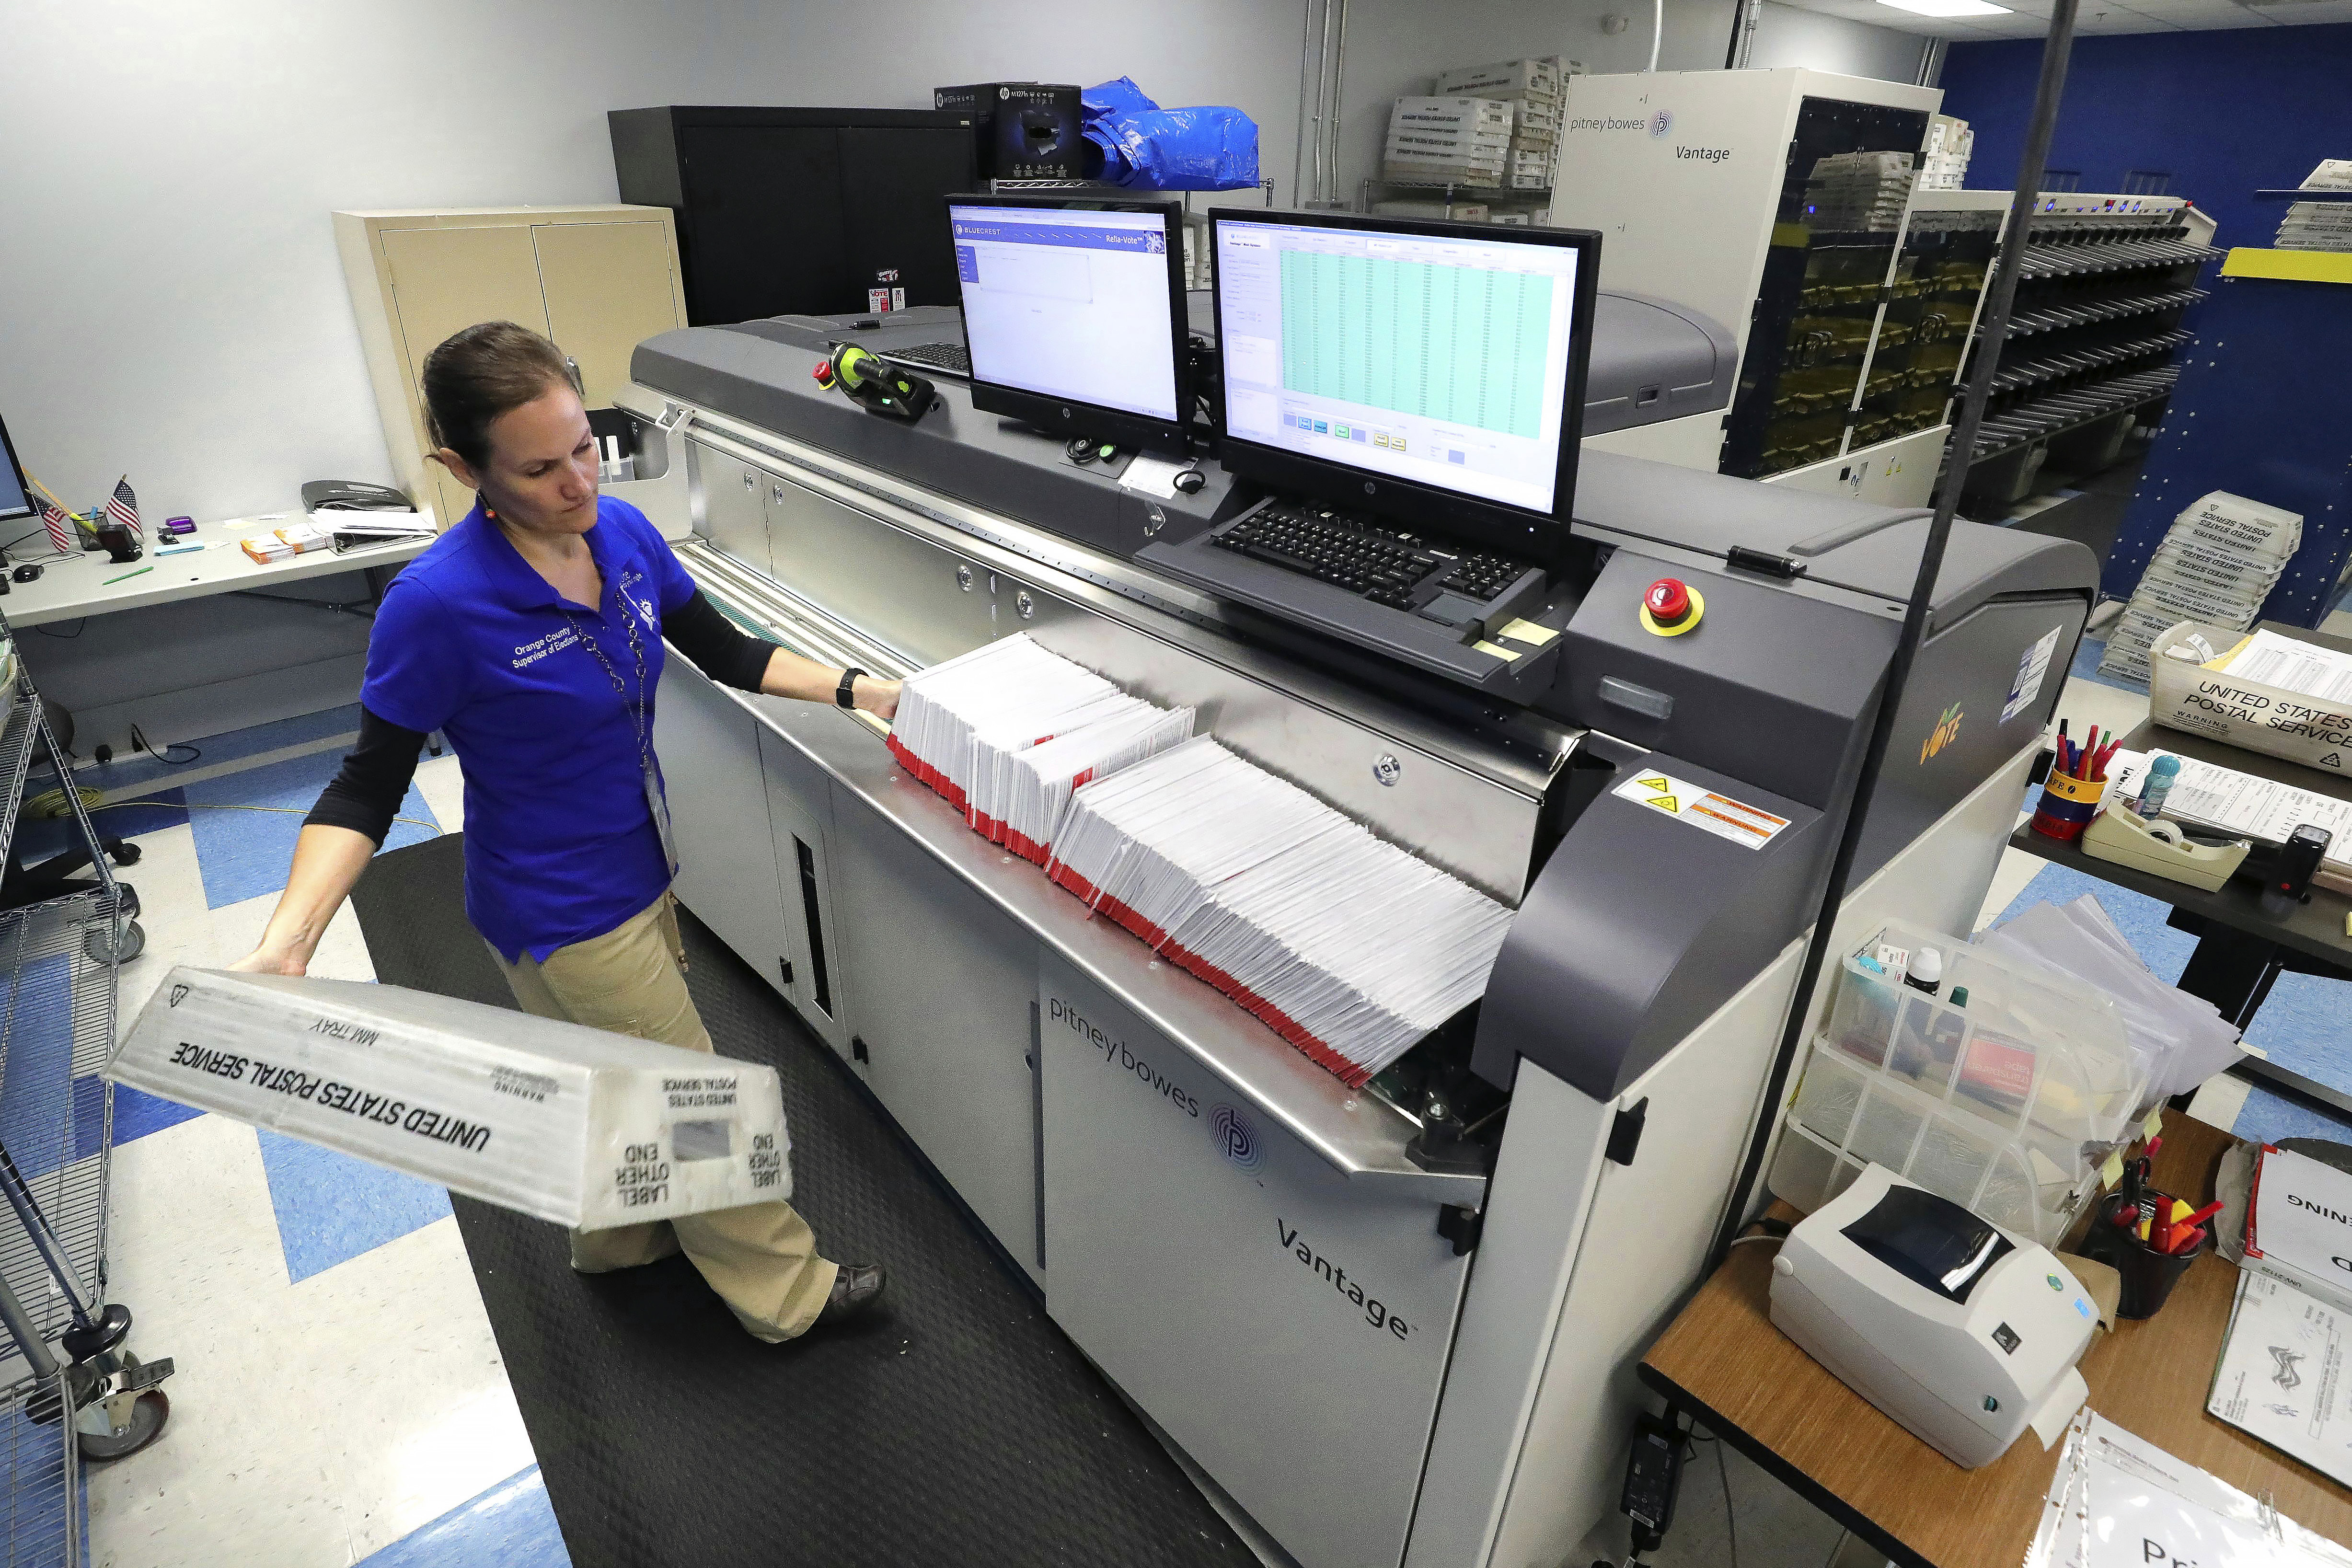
{"points": [[1344, 944], [1006, 731]]}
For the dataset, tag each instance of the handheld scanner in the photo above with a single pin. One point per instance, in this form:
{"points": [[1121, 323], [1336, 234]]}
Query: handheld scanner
{"points": [[875, 384]]}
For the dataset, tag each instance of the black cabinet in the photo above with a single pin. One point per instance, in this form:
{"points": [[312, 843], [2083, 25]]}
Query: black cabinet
{"points": [[800, 211]]}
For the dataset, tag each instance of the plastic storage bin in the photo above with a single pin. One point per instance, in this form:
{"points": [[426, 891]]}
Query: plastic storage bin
{"points": [[2006, 1103]]}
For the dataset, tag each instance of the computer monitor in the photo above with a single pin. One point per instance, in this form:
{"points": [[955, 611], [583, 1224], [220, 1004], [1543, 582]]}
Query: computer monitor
{"points": [[1073, 314], [15, 499], [1432, 372]]}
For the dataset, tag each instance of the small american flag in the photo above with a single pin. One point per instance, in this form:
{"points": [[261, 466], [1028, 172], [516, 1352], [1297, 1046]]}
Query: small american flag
{"points": [[122, 506], [60, 529]]}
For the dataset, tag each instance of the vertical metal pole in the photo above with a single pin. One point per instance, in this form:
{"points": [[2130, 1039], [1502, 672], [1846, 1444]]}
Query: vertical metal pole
{"points": [[2057, 47], [1331, 194], [29, 1343], [37, 1230], [1322, 90], [1298, 142]]}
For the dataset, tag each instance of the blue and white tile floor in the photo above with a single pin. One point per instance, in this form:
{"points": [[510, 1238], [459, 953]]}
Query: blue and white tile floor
{"points": [[339, 1398]]}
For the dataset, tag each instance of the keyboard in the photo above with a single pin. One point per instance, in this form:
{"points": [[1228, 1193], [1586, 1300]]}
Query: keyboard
{"points": [[1400, 571], [952, 358]]}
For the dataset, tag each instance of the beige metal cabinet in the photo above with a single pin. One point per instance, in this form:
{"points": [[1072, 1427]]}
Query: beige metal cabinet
{"points": [[598, 280]]}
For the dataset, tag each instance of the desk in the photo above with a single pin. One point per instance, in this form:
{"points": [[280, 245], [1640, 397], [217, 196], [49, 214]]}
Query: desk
{"points": [[68, 590], [1723, 1363], [2240, 949]]}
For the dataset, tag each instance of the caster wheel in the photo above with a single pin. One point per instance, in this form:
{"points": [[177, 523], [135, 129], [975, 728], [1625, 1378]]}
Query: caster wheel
{"points": [[106, 949], [126, 900], [148, 1415], [126, 854]]}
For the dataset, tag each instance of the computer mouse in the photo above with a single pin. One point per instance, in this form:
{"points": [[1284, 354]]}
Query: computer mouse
{"points": [[27, 572], [1190, 482]]}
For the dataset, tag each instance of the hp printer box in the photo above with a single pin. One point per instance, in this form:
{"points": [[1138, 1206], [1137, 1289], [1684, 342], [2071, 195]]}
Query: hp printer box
{"points": [[2299, 1225], [572, 1124]]}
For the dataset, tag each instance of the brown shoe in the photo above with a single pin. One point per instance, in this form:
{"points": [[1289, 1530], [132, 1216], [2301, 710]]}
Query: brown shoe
{"points": [[856, 1287]]}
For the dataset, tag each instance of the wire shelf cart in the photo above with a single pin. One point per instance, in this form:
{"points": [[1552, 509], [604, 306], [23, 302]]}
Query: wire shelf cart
{"points": [[67, 1388]]}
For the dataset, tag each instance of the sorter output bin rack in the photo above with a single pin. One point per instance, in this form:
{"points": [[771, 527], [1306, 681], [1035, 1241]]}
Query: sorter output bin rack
{"points": [[2006, 1104], [2094, 335]]}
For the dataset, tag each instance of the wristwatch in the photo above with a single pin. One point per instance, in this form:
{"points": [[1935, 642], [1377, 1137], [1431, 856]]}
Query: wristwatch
{"points": [[843, 694]]}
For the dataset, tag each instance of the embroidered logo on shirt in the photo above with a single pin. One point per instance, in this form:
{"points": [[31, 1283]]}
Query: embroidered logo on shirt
{"points": [[531, 653]]}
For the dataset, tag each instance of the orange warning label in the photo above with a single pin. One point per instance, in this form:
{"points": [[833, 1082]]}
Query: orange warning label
{"points": [[1703, 808]]}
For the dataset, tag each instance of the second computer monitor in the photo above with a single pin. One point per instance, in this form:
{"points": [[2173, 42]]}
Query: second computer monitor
{"points": [[1073, 314], [1429, 372]]}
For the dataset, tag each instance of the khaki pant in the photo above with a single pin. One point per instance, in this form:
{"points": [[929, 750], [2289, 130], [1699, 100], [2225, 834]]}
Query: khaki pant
{"points": [[761, 1258]]}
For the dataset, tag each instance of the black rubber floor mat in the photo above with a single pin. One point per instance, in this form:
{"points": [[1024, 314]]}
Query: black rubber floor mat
{"points": [[958, 1427]]}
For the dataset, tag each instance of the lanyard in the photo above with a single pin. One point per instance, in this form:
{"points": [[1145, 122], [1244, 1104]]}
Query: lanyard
{"points": [[655, 802]]}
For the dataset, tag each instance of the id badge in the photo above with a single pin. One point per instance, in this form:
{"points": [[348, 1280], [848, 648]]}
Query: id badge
{"points": [[660, 808]]}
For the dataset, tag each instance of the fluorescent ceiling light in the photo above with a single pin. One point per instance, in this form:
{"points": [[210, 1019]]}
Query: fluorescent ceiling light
{"points": [[1949, 8]]}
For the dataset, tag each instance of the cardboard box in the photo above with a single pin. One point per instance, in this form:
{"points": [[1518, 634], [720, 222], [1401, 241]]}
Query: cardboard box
{"points": [[571, 1124], [1022, 129], [1531, 75], [2198, 700], [2299, 1225]]}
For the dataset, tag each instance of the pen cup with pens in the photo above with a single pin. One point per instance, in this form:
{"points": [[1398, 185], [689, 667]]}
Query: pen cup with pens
{"points": [[2149, 1238], [2077, 781]]}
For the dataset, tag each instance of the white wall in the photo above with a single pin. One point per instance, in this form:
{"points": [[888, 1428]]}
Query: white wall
{"points": [[1787, 36], [172, 302]]}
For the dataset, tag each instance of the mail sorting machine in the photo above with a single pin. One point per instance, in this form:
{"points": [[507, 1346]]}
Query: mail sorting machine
{"points": [[1393, 1331]]}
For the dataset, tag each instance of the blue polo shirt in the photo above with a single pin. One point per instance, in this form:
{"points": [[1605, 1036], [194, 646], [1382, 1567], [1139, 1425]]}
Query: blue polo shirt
{"points": [[559, 843]]}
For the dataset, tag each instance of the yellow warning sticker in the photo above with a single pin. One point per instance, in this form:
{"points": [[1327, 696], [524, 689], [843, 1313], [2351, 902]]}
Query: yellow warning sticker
{"points": [[1705, 809]]}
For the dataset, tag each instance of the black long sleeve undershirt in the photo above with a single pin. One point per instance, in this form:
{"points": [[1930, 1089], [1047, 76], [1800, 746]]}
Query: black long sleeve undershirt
{"points": [[365, 794]]}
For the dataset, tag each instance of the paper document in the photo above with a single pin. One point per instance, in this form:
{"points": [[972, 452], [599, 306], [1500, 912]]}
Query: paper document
{"points": [[2229, 802], [2294, 666], [2118, 1501], [1151, 475], [2282, 1375]]}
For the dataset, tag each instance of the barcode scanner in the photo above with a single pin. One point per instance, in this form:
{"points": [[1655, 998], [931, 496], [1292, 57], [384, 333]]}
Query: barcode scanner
{"points": [[875, 384]]}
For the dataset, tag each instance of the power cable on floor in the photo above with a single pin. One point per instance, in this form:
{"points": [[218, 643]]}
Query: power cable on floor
{"points": [[139, 742]]}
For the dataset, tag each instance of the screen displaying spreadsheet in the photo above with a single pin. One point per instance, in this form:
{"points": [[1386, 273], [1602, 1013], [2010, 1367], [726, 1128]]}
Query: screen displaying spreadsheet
{"points": [[1432, 358], [1069, 304]]}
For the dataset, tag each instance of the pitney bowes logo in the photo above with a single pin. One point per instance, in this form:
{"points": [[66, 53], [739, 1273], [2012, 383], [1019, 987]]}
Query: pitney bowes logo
{"points": [[1948, 730], [1237, 1140], [1661, 123], [178, 992]]}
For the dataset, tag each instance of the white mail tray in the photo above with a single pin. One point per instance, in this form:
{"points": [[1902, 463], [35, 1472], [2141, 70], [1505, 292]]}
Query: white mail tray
{"points": [[572, 1124]]}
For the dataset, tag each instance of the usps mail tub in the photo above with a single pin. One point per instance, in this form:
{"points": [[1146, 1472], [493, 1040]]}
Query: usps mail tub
{"points": [[569, 1123]]}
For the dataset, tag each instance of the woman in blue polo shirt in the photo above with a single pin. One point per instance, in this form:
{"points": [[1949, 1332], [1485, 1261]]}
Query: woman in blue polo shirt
{"points": [[530, 633]]}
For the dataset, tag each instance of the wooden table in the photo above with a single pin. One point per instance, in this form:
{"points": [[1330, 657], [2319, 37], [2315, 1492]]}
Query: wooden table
{"points": [[1724, 1364]]}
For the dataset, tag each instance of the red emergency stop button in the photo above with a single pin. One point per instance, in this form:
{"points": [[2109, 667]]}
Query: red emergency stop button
{"points": [[1671, 607], [822, 372]]}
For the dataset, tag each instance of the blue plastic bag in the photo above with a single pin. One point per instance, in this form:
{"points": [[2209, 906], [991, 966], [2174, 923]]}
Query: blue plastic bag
{"points": [[1146, 147]]}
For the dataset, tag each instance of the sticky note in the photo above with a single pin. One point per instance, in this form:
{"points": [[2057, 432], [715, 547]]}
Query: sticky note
{"points": [[2154, 1122], [2112, 1171], [1530, 633], [1495, 648]]}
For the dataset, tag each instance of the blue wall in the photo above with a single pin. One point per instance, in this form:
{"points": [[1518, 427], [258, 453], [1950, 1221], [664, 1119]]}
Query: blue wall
{"points": [[2227, 111]]}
